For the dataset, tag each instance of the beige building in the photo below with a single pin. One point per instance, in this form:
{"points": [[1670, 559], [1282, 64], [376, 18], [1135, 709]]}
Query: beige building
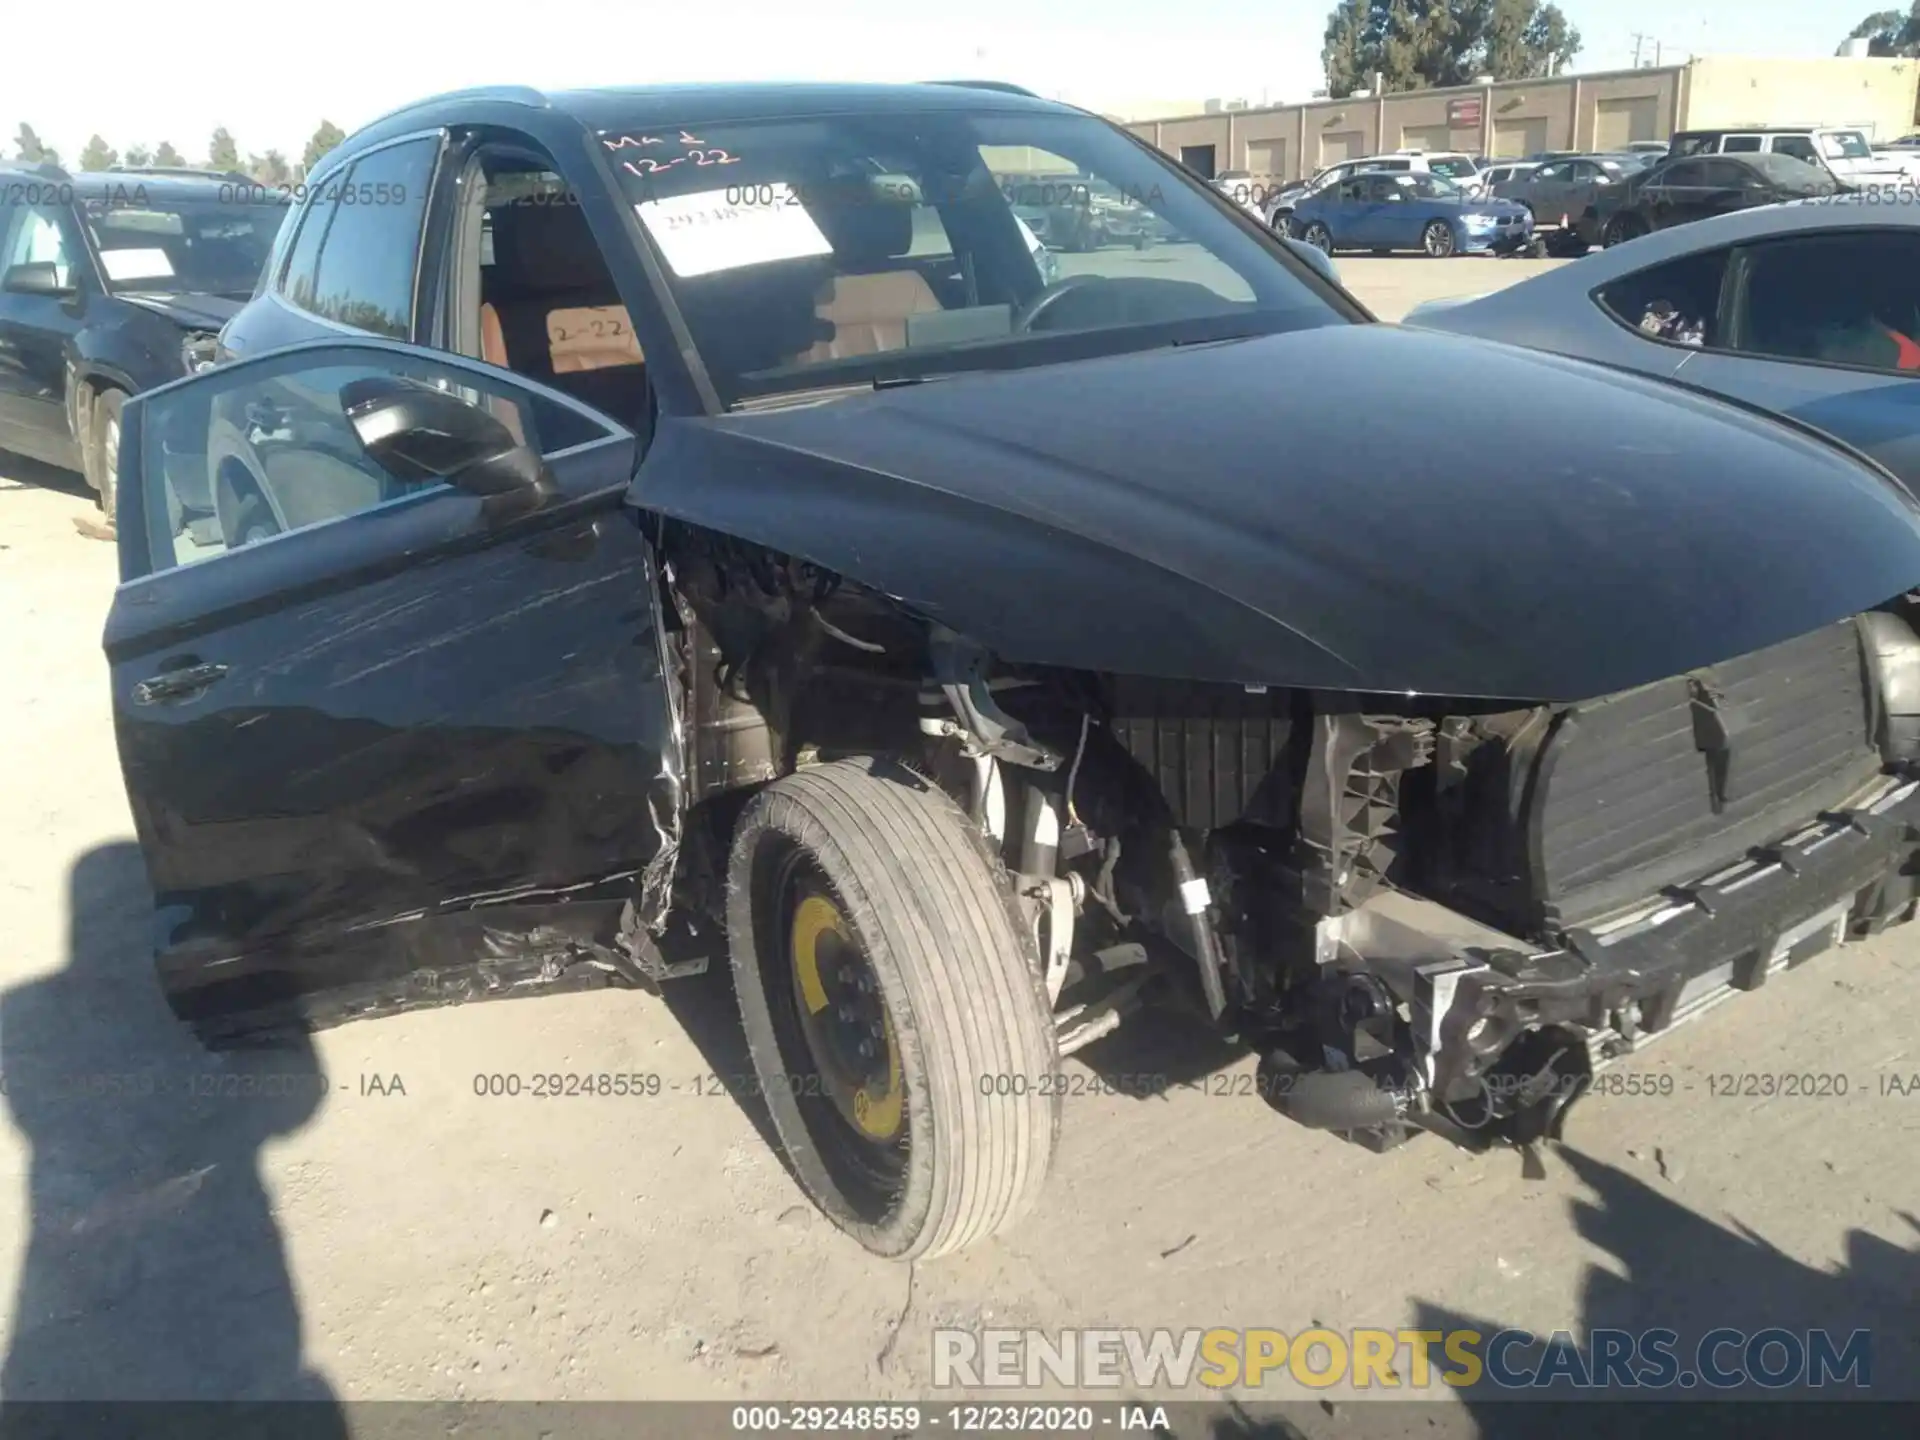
{"points": [[1570, 112]]}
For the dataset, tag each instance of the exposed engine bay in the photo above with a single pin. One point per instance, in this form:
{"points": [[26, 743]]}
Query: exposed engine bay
{"points": [[1421, 912]]}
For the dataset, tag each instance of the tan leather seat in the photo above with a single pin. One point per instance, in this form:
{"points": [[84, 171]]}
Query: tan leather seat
{"points": [[493, 341], [868, 303], [869, 312], [553, 313]]}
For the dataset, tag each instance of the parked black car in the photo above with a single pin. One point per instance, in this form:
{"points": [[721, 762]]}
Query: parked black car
{"points": [[627, 529], [1694, 187], [112, 282]]}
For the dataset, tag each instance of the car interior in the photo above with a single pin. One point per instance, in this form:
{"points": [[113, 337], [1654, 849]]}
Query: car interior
{"points": [[1857, 304], [1678, 302], [548, 306]]}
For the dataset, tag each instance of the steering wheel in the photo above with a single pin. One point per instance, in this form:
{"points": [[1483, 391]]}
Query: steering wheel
{"points": [[1030, 312]]}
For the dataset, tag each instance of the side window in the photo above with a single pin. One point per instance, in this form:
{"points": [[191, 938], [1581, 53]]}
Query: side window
{"points": [[1798, 146], [1743, 144], [545, 300], [1724, 175], [1353, 189], [368, 257], [1686, 173], [292, 441], [1558, 170], [303, 257], [40, 235], [1847, 298], [1678, 301]]}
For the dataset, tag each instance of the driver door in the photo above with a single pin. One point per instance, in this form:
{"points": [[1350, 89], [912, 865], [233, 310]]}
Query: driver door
{"points": [[393, 721], [1352, 215]]}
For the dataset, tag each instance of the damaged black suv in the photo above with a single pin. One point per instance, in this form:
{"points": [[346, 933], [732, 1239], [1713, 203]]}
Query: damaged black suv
{"points": [[696, 511]]}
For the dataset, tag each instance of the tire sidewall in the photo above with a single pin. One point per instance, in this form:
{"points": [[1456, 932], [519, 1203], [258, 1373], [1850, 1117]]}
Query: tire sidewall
{"points": [[769, 821], [105, 478]]}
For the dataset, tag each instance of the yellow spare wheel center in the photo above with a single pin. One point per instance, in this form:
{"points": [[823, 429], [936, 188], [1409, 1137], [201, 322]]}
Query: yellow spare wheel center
{"points": [[845, 1020]]}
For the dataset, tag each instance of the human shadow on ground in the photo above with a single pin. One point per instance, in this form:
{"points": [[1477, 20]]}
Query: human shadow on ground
{"points": [[154, 1269], [1674, 1269]]}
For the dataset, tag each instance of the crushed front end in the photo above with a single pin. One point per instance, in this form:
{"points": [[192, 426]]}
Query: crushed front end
{"points": [[1447, 915]]}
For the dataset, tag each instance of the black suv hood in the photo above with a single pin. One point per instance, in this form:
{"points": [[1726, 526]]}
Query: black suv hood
{"points": [[190, 312], [1350, 507]]}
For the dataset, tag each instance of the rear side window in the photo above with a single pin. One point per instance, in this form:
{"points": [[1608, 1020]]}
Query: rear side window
{"points": [[1743, 144], [1678, 301], [355, 256], [1798, 146], [303, 256]]}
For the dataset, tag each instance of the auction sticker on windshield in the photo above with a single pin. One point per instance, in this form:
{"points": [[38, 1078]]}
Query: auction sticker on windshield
{"points": [[715, 230], [141, 264]]}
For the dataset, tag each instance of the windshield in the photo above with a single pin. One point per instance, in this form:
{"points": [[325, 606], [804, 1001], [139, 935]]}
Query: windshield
{"points": [[848, 249], [1844, 145], [162, 245]]}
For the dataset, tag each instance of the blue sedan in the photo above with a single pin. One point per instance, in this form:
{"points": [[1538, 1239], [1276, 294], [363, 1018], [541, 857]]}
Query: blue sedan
{"points": [[1381, 212]]}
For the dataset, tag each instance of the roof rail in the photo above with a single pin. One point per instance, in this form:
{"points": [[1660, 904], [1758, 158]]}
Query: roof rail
{"points": [[183, 172], [1005, 87], [516, 94]]}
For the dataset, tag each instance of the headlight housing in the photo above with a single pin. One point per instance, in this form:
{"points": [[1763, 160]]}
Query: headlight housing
{"points": [[1478, 219], [200, 351]]}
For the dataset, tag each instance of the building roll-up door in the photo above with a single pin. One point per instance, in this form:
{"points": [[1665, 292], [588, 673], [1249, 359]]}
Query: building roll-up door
{"points": [[1515, 139], [1620, 122], [1338, 145]]}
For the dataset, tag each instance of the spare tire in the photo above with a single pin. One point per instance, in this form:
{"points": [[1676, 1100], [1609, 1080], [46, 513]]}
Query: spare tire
{"points": [[893, 1007]]}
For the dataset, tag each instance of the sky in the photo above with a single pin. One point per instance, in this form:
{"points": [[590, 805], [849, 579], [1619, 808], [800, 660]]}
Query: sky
{"points": [[270, 81]]}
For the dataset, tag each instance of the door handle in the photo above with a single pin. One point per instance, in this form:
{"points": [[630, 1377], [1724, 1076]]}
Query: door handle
{"points": [[177, 684]]}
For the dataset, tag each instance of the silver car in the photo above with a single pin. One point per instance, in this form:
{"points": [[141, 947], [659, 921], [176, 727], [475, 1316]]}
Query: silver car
{"points": [[1810, 310]]}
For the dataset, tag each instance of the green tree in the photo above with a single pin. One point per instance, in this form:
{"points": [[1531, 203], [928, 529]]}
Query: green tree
{"points": [[32, 149], [166, 157], [324, 139], [1346, 52], [1890, 33], [139, 156], [270, 168], [1413, 44], [222, 153], [98, 155]]}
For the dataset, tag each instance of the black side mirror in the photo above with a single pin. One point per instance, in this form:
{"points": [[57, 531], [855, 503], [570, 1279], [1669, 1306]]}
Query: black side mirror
{"points": [[417, 432], [36, 277]]}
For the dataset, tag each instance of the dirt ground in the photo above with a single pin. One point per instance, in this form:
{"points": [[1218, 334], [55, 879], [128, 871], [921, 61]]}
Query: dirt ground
{"points": [[400, 1237]]}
